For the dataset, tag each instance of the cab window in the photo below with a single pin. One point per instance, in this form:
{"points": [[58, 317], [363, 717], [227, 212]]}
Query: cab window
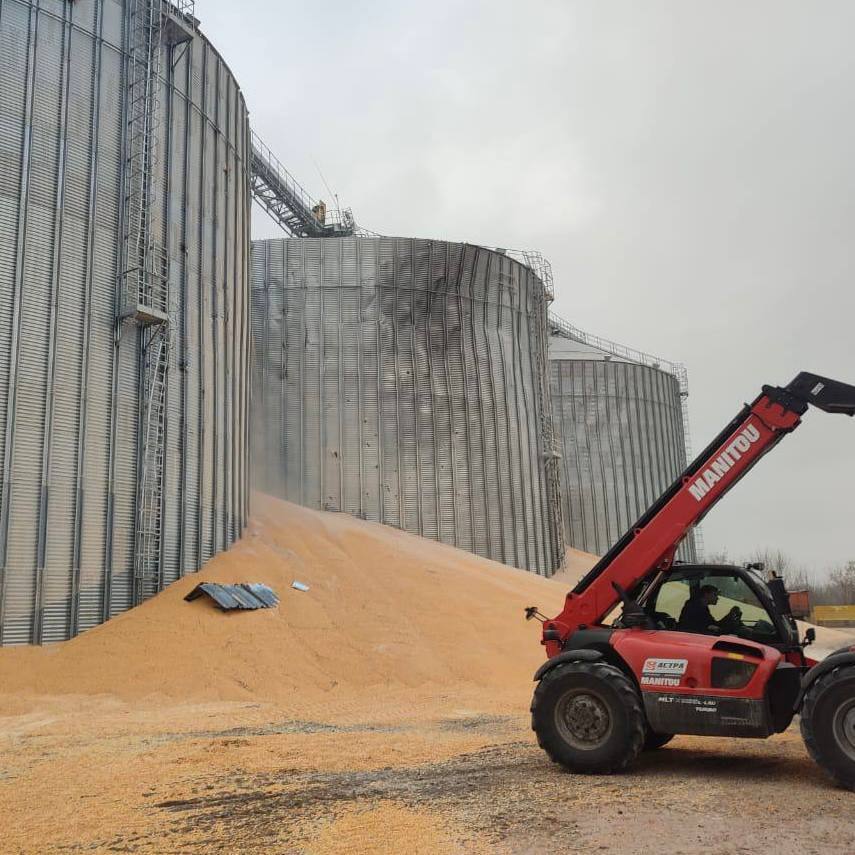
{"points": [[711, 604]]}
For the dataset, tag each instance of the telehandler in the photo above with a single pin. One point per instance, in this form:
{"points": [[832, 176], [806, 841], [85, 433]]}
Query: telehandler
{"points": [[695, 649]]}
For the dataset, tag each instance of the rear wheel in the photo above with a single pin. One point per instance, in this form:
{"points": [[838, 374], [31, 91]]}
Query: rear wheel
{"points": [[828, 723], [588, 717]]}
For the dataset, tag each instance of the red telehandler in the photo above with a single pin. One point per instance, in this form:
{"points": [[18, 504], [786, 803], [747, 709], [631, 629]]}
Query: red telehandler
{"points": [[710, 650]]}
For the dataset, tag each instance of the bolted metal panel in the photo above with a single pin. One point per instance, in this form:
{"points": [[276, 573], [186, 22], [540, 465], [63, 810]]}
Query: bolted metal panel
{"points": [[402, 381], [619, 425], [71, 371]]}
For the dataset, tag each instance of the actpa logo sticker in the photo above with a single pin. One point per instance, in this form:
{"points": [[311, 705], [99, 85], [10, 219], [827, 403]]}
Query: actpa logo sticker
{"points": [[663, 672], [668, 667]]}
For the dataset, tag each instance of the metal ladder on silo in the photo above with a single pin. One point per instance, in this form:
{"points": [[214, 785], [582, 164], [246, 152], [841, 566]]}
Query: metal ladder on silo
{"points": [[149, 517], [551, 456], [144, 282]]}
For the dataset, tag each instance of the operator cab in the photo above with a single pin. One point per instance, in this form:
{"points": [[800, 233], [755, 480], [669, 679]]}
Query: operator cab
{"points": [[742, 605]]}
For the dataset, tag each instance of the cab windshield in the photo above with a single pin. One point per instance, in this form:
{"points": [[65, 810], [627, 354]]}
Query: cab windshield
{"points": [[711, 602]]}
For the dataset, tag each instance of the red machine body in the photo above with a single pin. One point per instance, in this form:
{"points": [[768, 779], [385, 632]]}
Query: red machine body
{"points": [[698, 652], [667, 664], [653, 543]]}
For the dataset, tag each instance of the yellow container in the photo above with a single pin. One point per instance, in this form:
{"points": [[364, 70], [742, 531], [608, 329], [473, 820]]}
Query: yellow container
{"points": [[834, 615]]}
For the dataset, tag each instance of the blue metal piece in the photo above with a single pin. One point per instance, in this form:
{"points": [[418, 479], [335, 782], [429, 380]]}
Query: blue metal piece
{"points": [[246, 595]]}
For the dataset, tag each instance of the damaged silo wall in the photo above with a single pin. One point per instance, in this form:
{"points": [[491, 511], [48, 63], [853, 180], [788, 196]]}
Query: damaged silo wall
{"points": [[402, 381]]}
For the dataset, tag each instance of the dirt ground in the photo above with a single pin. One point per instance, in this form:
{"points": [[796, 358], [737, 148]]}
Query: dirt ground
{"points": [[176, 728], [100, 775]]}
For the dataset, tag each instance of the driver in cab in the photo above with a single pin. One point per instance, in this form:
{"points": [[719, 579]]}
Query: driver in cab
{"points": [[697, 617]]}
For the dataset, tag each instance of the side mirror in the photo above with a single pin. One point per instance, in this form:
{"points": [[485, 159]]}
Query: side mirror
{"points": [[534, 612], [810, 637]]}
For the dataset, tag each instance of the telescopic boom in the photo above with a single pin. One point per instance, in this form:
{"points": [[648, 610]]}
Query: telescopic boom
{"points": [[650, 545]]}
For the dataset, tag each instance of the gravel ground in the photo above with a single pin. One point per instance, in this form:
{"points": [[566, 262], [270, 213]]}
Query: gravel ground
{"points": [[238, 778]]}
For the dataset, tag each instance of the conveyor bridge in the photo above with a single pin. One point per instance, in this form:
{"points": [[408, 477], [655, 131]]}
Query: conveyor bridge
{"points": [[288, 204]]}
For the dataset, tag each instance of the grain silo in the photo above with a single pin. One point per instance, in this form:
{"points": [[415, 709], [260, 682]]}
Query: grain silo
{"points": [[620, 426], [124, 217], [403, 381]]}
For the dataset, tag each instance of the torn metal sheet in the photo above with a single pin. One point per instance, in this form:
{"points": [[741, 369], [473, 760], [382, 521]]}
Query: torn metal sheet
{"points": [[246, 595]]}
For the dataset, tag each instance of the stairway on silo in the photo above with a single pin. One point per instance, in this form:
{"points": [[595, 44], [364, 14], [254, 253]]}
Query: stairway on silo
{"points": [[152, 25]]}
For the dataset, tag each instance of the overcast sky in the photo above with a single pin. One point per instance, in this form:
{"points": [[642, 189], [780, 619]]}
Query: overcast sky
{"points": [[688, 167]]}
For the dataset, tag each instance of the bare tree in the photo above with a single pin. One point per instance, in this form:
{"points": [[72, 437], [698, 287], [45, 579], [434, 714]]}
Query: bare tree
{"points": [[773, 560], [837, 587], [843, 580]]}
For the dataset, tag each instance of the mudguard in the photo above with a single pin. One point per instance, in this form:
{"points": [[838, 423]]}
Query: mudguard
{"points": [[566, 656], [844, 656]]}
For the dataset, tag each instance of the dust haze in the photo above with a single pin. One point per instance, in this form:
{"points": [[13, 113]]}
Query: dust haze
{"points": [[686, 167]]}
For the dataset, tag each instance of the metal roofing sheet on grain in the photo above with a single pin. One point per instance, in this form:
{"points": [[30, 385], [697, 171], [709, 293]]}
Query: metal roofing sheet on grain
{"points": [[246, 595]]}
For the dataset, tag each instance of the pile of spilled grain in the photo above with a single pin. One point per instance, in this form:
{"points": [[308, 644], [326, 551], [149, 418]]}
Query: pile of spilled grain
{"points": [[576, 565], [384, 609]]}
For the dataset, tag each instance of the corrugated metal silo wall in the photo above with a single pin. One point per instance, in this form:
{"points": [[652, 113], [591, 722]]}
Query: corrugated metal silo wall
{"points": [[620, 432], [69, 374], [403, 381]]}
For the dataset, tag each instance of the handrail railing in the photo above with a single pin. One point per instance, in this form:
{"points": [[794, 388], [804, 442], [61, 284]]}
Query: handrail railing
{"points": [[565, 329], [288, 202]]}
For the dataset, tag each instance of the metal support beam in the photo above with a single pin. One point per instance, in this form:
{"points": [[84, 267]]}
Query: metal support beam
{"points": [[288, 204]]}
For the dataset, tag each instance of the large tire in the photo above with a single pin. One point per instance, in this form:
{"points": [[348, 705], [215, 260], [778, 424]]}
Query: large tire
{"points": [[654, 740], [588, 717], [828, 723]]}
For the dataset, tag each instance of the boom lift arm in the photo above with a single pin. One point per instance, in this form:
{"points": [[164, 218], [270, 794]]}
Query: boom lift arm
{"points": [[650, 545]]}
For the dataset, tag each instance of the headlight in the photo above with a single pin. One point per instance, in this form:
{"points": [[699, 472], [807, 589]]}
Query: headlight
{"points": [[731, 673]]}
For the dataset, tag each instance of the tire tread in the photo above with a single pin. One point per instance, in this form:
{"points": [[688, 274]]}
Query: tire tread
{"points": [[806, 725], [625, 690]]}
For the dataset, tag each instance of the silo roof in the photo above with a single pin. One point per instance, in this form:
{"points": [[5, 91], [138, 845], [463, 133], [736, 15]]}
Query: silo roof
{"points": [[570, 343], [562, 347]]}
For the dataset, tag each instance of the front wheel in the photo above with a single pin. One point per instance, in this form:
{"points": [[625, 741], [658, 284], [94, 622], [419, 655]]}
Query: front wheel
{"points": [[828, 723], [588, 717]]}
